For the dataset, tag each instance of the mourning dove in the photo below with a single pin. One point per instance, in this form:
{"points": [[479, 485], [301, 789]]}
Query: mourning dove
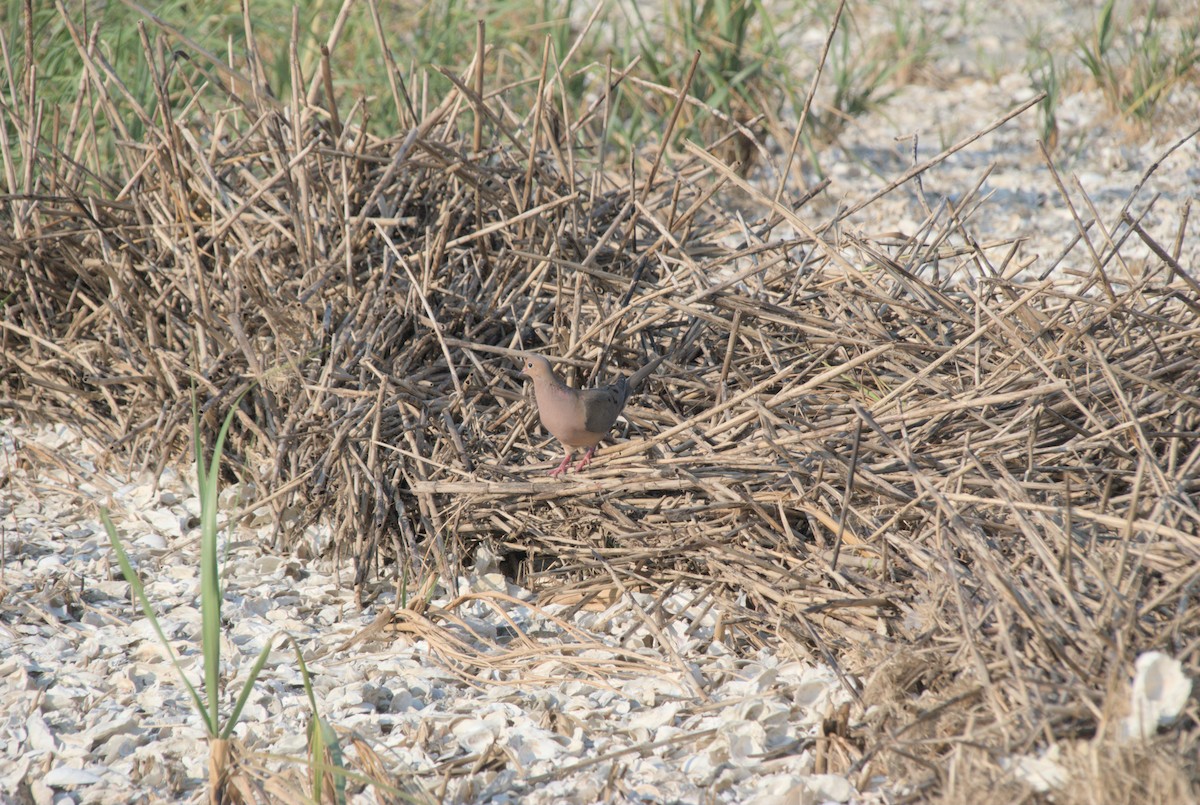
{"points": [[579, 417]]}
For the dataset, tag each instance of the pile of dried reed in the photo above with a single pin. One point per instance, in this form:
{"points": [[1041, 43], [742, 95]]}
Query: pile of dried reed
{"points": [[974, 489]]}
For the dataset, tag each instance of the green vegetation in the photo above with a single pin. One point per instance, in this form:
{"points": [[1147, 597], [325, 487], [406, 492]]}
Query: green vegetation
{"points": [[327, 776], [1134, 62], [868, 69], [1046, 79], [166, 55], [380, 62]]}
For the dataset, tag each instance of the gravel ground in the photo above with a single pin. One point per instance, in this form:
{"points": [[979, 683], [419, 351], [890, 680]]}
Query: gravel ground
{"points": [[93, 711], [977, 74]]}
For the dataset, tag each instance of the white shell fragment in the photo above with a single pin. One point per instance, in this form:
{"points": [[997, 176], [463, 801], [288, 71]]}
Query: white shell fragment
{"points": [[64, 776], [1042, 772], [1159, 692]]}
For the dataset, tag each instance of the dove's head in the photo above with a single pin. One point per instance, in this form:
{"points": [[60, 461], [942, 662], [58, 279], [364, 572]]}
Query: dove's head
{"points": [[536, 368]]}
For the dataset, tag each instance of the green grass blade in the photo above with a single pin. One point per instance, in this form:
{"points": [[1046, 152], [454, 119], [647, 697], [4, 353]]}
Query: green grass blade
{"points": [[312, 699], [322, 739], [210, 592], [248, 686], [135, 583], [208, 479], [1104, 30]]}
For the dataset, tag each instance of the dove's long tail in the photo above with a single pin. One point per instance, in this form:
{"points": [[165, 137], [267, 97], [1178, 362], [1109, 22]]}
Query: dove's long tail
{"points": [[638, 377]]}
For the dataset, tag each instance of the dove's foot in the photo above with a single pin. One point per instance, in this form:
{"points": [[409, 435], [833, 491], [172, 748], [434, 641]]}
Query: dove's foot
{"points": [[566, 462], [587, 459]]}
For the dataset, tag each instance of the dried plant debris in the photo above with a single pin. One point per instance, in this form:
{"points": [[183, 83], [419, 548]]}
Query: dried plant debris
{"points": [[875, 449]]}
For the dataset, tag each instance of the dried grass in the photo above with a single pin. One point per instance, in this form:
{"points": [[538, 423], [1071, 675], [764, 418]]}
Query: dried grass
{"points": [[973, 489]]}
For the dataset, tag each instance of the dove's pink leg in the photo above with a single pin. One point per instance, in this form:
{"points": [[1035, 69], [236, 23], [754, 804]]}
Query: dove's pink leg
{"points": [[587, 459], [562, 467]]}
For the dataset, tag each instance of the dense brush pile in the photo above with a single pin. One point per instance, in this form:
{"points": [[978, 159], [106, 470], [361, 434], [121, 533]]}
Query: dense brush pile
{"points": [[972, 488]]}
